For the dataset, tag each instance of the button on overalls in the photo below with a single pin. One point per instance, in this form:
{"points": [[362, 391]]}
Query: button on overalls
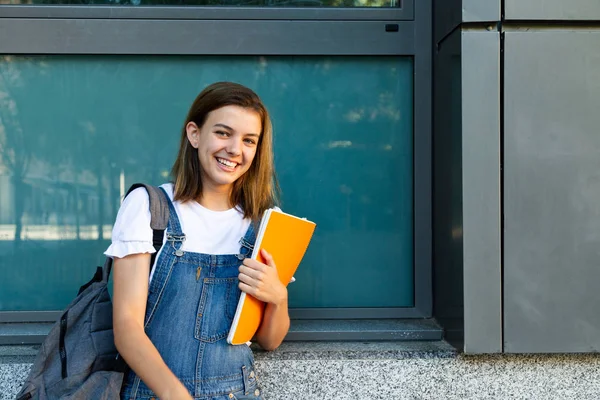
{"points": [[192, 299]]}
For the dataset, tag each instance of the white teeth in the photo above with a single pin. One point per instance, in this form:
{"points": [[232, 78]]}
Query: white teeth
{"points": [[227, 163]]}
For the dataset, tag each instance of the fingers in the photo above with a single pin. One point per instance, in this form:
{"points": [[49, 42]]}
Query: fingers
{"points": [[253, 273], [268, 258], [260, 280], [255, 281], [253, 264], [257, 264], [261, 290], [248, 289]]}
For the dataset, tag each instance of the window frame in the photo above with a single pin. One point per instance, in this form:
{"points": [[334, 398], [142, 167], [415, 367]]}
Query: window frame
{"points": [[405, 31], [404, 12]]}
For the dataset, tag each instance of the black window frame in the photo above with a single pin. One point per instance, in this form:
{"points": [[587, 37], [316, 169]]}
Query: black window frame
{"points": [[401, 31]]}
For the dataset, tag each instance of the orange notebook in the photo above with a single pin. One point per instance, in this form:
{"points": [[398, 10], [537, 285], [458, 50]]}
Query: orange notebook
{"points": [[286, 238]]}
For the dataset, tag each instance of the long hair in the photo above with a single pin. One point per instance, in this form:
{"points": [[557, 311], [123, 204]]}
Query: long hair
{"points": [[257, 189]]}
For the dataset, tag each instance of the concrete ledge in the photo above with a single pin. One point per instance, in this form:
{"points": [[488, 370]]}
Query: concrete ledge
{"points": [[356, 351], [392, 370]]}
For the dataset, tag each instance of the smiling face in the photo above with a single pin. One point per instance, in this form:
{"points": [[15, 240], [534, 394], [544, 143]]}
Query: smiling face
{"points": [[226, 144]]}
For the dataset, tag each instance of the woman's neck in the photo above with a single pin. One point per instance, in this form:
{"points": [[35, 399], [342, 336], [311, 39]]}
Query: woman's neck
{"points": [[215, 199]]}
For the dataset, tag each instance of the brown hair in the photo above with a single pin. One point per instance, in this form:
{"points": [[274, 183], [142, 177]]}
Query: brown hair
{"points": [[256, 190]]}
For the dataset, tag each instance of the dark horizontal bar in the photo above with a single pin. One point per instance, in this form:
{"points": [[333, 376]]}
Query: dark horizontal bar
{"points": [[171, 37], [301, 330], [24, 333], [22, 339], [354, 313], [295, 313], [197, 12], [29, 316], [341, 330]]}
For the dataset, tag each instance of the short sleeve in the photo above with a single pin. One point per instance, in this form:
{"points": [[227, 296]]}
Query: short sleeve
{"points": [[131, 233]]}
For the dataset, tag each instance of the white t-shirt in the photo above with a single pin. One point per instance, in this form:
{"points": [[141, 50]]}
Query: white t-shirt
{"points": [[206, 231]]}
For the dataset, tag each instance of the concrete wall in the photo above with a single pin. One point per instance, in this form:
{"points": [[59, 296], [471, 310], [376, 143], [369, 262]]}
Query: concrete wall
{"points": [[407, 371]]}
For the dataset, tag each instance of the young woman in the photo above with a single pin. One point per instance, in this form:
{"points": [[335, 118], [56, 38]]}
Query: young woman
{"points": [[223, 180]]}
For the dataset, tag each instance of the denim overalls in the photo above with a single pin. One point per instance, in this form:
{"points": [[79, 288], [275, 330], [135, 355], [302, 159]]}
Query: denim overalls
{"points": [[192, 299]]}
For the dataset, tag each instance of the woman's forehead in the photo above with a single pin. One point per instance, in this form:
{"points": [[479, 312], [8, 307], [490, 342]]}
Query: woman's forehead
{"points": [[235, 118]]}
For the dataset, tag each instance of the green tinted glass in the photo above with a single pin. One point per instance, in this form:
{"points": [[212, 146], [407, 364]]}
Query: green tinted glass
{"points": [[230, 3], [76, 131]]}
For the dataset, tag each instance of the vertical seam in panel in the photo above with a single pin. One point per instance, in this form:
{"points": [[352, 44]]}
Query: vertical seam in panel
{"points": [[502, 55]]}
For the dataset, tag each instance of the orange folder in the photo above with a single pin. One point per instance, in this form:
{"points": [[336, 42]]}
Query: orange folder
{"points": [[286, 238]]}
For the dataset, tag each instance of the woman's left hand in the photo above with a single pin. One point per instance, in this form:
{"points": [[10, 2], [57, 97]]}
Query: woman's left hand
{"points": [[262, 280]]}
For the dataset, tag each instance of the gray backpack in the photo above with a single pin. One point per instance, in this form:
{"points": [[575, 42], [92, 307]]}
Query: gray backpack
{"points": [[78, 358]]}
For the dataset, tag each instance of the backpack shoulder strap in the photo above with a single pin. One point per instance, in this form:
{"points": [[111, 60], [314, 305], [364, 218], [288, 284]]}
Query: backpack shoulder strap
{"points": [[159, 211], [159, 215], [159, 218]]}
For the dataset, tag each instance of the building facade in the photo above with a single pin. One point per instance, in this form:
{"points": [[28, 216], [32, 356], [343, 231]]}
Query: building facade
{"points": [[447, 151]]}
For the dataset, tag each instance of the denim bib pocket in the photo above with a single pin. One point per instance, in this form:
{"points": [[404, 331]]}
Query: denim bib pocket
{"points": [[216, 309]]}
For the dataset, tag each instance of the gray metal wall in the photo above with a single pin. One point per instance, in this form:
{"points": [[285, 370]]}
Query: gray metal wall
{"points": [[552, 10], [527, 279], [450, 14], [551, 176], [447, 190], [480, 77], [467, 190], [552, 191]]}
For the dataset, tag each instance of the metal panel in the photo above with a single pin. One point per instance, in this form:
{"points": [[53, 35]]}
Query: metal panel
{"points": [[449, 14], [372, 329], [584, 10], [467, 240], [481, 191], [29, 316], [552, 191], [422, 159], [204, 37], [480, 10], [447, 190], [302, 330], [446, 17], [404, 13], [353, 313]]}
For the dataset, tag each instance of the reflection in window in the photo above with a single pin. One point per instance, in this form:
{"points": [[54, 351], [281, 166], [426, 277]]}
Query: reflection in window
{"points": [[208, 3], [76, 131]]}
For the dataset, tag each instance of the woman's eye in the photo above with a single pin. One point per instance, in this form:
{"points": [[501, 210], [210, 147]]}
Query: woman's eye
{"points": [[222, 133], [250, 141]]}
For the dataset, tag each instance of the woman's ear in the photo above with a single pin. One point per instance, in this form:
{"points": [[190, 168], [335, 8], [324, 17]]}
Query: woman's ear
{"points": [[192, 132]]}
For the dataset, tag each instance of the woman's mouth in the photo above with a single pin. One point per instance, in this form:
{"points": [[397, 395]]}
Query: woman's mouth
{"points": [[226, 164]]}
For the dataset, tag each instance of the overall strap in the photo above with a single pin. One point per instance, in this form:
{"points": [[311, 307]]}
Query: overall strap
{"points": [[247, 242], [159, 218], [175, 236]]}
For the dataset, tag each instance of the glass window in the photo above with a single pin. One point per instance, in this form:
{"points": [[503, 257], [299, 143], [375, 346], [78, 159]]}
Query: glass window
{"points": [[230, 3], [76, 131]]}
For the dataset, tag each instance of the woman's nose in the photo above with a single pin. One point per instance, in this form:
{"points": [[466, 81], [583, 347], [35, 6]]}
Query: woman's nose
{"points": [[234, 147]]}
